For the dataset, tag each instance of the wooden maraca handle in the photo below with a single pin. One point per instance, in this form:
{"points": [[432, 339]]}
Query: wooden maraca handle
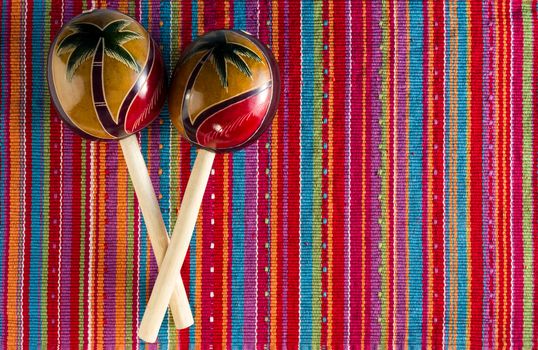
{"points": [[179, 304], [179, 243]]}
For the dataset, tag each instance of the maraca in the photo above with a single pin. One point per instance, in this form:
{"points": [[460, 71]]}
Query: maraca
{"points": [[107, 80], [224, 95]]}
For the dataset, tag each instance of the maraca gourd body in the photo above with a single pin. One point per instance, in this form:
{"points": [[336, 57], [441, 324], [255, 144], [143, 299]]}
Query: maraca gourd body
{"points": [[225, 91], [106, 75], [107, 80], [224, 95]]}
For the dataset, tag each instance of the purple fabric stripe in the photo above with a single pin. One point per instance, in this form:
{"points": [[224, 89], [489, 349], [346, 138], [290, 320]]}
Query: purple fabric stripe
{"points": [[251, 192], [375, 230], [402, 36], [110, 171]]}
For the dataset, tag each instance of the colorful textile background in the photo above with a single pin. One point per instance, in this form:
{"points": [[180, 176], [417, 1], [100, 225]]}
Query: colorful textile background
{"points": [[394, 200]]}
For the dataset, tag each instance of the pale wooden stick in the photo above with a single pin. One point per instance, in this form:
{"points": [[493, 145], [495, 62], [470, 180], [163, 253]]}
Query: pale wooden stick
{"points": [[179, 304], [181, 237]]}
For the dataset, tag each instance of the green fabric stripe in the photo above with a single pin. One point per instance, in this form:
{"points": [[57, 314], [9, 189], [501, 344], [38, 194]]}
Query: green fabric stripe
{"points": [[527, 175]]}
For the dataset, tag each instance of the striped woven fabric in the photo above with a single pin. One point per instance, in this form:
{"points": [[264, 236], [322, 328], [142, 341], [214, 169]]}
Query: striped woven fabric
{"points": [[394, 200]]}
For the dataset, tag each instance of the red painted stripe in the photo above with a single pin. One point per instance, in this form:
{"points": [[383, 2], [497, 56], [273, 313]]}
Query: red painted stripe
{"points": [[475, 159]]}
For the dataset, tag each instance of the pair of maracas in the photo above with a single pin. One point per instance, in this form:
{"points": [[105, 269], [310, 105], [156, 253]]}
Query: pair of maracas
{"points": [[107, 80]]}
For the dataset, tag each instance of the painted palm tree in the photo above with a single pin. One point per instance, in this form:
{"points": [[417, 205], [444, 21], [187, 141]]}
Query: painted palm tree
{"points": [[221, 52], [88, 40]]}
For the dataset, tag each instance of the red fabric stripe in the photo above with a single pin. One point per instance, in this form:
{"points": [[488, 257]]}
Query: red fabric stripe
{"points": [[425, 167], [535, 167], [28, 178], [338, 169], [356, 210], [368, 177], [438, 165], [517, 176], [263, 209], [475, 200], [54, 205], [324, 184], [184, 164], [294, 164], [281, 215], [217, 229], [390, 172], [7, 163]]}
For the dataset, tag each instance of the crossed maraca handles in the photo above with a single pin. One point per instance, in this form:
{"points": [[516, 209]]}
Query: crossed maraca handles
{"points": [[149, 205], [170, 267]]}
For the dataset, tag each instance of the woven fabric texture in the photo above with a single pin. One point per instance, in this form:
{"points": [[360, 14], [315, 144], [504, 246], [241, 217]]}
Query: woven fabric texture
{"points": [[394, 201]]}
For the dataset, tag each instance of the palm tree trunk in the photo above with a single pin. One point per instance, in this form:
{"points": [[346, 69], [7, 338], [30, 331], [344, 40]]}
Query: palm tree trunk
{"points": [[98, 91], [190, 130]]}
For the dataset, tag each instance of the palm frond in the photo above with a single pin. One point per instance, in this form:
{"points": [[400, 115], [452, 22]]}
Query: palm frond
{"points": [[77, 57], [119, 53], [87, 28], [239, 63], [70, 42], [219, 63], [122, 37], [245, 51], [197, 49], [116, 26]]}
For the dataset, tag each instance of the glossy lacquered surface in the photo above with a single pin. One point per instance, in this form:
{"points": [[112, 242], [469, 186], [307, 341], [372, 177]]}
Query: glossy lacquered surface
{"points": [[106, 75], [225, 91]]}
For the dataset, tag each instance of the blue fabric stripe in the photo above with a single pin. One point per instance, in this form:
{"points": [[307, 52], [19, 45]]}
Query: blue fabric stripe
{"points": [[462, 174], [307, 173], [415, 173], [38, 102], [238, 218], [238, 226]]}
